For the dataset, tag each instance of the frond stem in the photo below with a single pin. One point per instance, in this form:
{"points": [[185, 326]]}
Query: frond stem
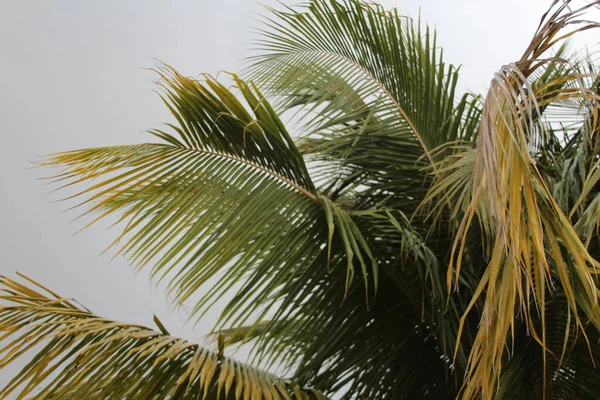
{"points": [[260, 168], [384, 90]]}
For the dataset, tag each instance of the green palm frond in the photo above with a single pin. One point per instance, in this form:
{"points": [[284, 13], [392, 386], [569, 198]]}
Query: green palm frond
{"points": [[80, 355], [229, 192], [378, 100], [376, 83], [212, 119]]}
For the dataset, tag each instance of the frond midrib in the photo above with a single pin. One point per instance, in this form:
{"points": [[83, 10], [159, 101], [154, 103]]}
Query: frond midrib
{"points": [[381, 87], [259, 167]]}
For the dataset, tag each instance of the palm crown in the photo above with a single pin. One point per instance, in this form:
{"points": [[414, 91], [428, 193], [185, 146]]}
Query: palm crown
{"points": [[408, 243]]}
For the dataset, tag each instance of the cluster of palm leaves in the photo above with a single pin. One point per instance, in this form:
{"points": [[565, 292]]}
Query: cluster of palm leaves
{"points": [[403, 243]]}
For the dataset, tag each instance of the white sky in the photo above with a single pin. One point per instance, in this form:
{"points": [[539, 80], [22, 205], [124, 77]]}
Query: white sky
{"points": [[72, 76]]}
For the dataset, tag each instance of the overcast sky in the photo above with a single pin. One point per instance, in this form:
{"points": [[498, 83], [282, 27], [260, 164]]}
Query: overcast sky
{"points": [[72, 76]]}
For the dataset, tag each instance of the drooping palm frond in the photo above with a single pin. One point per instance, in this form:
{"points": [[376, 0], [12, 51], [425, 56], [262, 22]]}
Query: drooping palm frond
{"points": [[346, 345], [80, 355], [532, 242]]}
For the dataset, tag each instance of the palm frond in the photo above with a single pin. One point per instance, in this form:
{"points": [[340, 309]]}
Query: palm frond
{"points": [[531, 236], [330, 350], [228, 194], [375, 87], [80, 355]]}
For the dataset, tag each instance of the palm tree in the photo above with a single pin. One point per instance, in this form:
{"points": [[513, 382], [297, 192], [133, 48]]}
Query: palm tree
{"points": [[405, 243]]}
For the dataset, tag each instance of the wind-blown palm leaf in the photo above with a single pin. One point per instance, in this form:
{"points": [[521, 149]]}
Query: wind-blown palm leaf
{"points": [[228, 193], [80, 355], [197, 207]]}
